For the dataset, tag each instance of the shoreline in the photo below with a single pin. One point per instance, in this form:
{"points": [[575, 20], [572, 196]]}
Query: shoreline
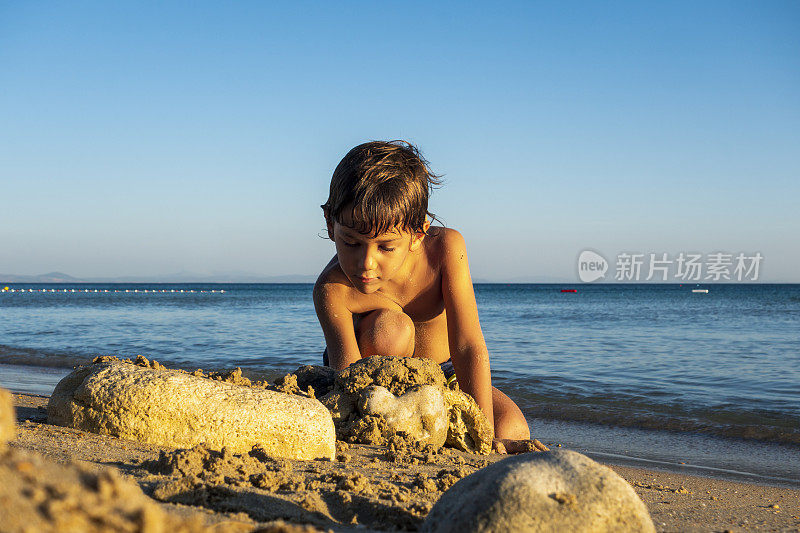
{"points": [[677, 452], [676, 501]]}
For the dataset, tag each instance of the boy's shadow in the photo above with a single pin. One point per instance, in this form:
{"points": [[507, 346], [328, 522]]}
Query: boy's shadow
{"points": [[33, 414]]}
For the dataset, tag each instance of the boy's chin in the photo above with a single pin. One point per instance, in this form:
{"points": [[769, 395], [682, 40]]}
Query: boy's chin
{"points": [[365, 288]]}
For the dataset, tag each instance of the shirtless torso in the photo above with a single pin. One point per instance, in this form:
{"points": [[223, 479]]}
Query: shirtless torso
{"points": [[419, 296]]}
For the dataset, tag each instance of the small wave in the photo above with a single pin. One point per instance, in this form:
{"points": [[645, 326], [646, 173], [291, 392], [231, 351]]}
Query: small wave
{"points": [[15, 355], [711, 423]]}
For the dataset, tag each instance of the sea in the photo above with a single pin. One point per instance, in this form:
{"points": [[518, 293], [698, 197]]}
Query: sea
{"points": [[650, 375]]}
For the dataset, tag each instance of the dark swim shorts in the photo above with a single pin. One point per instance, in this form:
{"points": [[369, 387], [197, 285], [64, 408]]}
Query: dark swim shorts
{"points": [[447, 368], [449, 372]]}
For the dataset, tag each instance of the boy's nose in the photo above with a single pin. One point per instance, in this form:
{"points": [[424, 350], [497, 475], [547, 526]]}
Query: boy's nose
{"points": [[368, 261]]}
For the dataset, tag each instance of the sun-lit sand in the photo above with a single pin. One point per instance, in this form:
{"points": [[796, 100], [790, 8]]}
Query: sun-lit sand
{"points": [[372, 487]]}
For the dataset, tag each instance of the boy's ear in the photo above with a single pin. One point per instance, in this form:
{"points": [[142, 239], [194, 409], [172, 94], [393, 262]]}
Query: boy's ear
{"points": [[417, 237], [329, 223]]}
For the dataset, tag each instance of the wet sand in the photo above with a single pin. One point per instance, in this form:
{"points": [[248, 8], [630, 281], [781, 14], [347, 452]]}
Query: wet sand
{"points": [[370, 488]]}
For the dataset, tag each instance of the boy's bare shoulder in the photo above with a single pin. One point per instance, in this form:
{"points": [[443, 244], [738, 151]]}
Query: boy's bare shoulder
{"points": [[447, 243], [332, 281]]}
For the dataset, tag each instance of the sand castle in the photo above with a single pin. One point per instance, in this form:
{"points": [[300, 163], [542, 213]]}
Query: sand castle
{"points": [[377, 397]]}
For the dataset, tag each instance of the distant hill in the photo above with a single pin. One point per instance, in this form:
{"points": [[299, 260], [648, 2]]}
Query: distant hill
{"points": [[50, 277], [181, 277]]}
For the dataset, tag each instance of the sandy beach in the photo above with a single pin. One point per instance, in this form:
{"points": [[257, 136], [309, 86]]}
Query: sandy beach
{"points": [[368, 488]]}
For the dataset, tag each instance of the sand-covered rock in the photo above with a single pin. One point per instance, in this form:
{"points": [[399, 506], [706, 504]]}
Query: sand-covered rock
{"points": [[177, 409], [420, 413], [551, 491], [378, 397], [7, 418]]}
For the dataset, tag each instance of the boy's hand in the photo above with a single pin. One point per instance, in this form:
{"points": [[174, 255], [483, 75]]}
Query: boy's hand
{"points": [[510, 446]]}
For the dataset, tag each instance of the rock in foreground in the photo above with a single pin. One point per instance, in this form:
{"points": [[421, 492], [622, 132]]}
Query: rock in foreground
{"points": [[173, 408], [551, 491]]}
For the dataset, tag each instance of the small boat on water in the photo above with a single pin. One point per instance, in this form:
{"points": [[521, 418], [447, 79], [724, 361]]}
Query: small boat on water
{"points": [[700, 290], [569, 290]]}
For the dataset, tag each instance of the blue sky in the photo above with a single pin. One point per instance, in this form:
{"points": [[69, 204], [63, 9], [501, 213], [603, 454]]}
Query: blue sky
{"points": [[148, 138]]}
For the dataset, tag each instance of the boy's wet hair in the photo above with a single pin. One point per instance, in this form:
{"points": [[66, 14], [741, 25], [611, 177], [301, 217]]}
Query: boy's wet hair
{"points": [[384, 184]]}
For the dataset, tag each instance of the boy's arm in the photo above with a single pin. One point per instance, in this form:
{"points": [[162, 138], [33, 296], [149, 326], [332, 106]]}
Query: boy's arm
{"points": [[467, 346], [337, 324]]}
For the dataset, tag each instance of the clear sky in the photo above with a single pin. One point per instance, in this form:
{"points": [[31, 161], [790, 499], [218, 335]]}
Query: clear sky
{"points": [[146, 138]]}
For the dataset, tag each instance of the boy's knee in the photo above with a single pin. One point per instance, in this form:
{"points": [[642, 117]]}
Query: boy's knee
{"points": [[509, 422], [514, 427], [386, 332]]}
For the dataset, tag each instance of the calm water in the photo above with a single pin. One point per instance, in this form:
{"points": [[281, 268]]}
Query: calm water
{"points": [[622, 358]]}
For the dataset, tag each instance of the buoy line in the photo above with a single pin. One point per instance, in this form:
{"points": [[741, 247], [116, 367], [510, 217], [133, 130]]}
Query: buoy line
{"points": [[143, 291]]}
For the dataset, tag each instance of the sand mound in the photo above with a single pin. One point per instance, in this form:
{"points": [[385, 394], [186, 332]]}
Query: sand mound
{"points": [[397, 374], [363, 411], [322, 493], [42, 496], [316, 379], [468, 430]]}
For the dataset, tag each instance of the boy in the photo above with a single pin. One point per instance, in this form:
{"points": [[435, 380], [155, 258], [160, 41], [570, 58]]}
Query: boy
{"points": [[398, 287]]}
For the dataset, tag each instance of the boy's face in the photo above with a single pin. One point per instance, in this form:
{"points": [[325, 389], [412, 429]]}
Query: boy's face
{"points": [[369, 262]]}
